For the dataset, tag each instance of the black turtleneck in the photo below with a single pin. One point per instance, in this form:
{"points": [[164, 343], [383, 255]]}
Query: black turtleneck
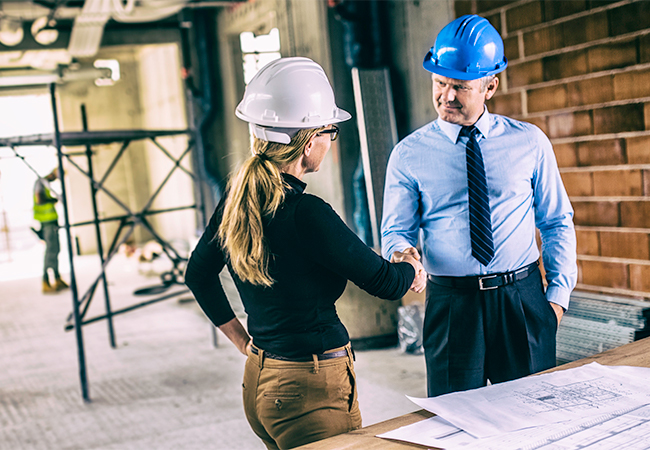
{"points": [[313, 255]]}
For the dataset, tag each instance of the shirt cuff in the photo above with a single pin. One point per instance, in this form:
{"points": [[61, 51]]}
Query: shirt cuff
{"points": [[559, 296], [388, 250]]}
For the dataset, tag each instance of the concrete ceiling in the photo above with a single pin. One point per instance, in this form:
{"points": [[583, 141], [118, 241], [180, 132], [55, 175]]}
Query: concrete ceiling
{"points": [[151, 21]]}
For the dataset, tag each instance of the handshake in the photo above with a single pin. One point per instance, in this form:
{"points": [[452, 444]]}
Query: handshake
{"points": [[411, 256]]}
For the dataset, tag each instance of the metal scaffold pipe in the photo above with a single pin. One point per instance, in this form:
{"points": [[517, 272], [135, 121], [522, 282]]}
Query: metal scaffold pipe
{"points": [[83, 376]]}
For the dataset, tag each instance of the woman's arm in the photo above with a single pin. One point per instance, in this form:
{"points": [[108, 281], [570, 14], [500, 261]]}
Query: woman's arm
{"points": [[328, 241], [237, 334], [202, 275]]}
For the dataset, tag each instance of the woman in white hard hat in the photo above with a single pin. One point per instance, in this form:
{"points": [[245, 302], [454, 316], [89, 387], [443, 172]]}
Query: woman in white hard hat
{"points": [[291, 256]]}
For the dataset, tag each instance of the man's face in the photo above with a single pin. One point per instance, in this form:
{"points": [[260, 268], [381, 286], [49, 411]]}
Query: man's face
{"points": [[460, 101]]}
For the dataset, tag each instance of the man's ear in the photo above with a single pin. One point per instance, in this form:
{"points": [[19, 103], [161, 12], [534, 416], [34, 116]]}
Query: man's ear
{"points": [[492, 88]]}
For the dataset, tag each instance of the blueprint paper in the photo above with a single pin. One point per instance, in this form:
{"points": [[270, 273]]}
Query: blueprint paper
{"points": [[623, 430], [627, 429], [566, 395], [432, 432], [641, 372]]}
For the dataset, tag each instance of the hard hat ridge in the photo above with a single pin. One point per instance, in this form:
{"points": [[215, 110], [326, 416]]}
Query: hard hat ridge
{"points": [[467, 48]]}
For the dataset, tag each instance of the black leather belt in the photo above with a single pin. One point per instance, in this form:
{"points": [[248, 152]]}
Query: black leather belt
{"points": [[485, 282], [321, 356]]}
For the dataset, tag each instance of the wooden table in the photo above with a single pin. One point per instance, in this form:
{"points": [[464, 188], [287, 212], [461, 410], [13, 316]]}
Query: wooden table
{"points": [[634, 354]]}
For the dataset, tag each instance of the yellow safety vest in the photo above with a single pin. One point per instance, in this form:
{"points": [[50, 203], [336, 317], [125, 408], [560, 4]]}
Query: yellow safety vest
{"points": [[45, 212]]}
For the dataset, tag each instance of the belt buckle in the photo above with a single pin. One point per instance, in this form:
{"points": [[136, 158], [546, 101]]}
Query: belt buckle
{"points": [[486, 288]]}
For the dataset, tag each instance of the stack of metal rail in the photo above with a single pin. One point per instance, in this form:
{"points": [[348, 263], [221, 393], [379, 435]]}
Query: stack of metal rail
{"points": [[595, 323]]}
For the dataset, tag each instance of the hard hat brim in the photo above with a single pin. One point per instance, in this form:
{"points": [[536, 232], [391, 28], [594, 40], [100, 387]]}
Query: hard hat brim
{"points": [[457, 74], [340, 115]]}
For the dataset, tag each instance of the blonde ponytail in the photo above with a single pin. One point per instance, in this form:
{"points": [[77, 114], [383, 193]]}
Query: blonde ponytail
{"points": [[254, 193]]}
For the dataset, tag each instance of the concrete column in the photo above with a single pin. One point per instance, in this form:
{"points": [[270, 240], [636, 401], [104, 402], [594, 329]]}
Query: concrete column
{"points": [[108, 108], [163, 107]]}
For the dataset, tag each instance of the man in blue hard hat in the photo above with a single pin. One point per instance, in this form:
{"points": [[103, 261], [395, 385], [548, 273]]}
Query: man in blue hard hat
{"points": [[472, 187]]}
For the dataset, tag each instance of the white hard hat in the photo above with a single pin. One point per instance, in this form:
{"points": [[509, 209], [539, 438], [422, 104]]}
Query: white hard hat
{"points": [[286, 95]]}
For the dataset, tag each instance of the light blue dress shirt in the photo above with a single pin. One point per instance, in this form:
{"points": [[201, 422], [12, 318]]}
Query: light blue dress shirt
{"points": [[425, 197]]}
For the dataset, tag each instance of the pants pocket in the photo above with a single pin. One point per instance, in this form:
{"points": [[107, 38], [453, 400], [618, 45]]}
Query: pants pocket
{"points": [[539, 305], [283, 394], [281, 403], [540, 322], [350, 389]]}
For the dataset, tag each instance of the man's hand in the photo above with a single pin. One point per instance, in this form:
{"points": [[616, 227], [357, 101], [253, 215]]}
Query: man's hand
{"points": [[411, 256], [559, 312]]}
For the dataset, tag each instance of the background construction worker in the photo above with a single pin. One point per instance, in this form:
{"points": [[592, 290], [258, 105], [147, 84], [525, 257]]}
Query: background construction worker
{"points": [[45, 213], [473, 186]]}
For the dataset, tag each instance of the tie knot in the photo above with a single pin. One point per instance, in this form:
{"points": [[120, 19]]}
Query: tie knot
{"points": [[469, 131]]}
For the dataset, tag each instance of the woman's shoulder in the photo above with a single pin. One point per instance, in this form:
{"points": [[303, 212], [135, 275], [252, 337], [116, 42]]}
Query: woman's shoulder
{"points": [[311, 202], [311, 208]]}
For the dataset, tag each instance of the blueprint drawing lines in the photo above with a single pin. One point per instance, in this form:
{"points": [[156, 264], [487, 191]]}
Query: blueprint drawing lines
{"points": [[581, 394], [629, 431]]}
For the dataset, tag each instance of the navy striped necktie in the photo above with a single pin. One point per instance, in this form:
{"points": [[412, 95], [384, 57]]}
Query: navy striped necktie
{"points": [[480, 224]]}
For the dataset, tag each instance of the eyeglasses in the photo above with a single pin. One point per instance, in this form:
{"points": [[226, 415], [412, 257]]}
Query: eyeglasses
{"points": [[333, 132]]}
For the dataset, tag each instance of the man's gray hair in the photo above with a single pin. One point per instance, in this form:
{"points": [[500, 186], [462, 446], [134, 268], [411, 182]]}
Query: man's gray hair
{"points": [[485, 82]]}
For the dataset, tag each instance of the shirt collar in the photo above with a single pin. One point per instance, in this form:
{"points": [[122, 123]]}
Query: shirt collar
{"points": [[294, 183], [452, 130]]}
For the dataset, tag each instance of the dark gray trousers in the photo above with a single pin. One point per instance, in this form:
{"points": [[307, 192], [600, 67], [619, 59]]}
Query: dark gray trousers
{"points": [[471, 336], [52, 247]]}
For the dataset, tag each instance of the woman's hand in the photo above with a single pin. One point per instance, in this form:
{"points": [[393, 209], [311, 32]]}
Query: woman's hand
{"points": [[420, 280], [411, 256]]}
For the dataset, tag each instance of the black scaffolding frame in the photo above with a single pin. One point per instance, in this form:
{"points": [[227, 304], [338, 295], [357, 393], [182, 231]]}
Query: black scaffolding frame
{"points": [[127, 221]]}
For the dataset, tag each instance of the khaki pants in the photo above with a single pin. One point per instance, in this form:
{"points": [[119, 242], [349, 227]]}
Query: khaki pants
{"points": [[289, 404]]}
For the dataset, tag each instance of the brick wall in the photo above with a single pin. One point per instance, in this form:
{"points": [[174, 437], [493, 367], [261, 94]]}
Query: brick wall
{"points": [[580, 70]]}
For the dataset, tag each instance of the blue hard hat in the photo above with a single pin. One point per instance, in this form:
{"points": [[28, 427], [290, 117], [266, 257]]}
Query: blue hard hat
{"points": [[467, 49]]}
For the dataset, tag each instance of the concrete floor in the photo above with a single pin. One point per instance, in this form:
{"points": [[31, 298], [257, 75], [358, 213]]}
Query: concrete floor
{"points": [[164, 387]]}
